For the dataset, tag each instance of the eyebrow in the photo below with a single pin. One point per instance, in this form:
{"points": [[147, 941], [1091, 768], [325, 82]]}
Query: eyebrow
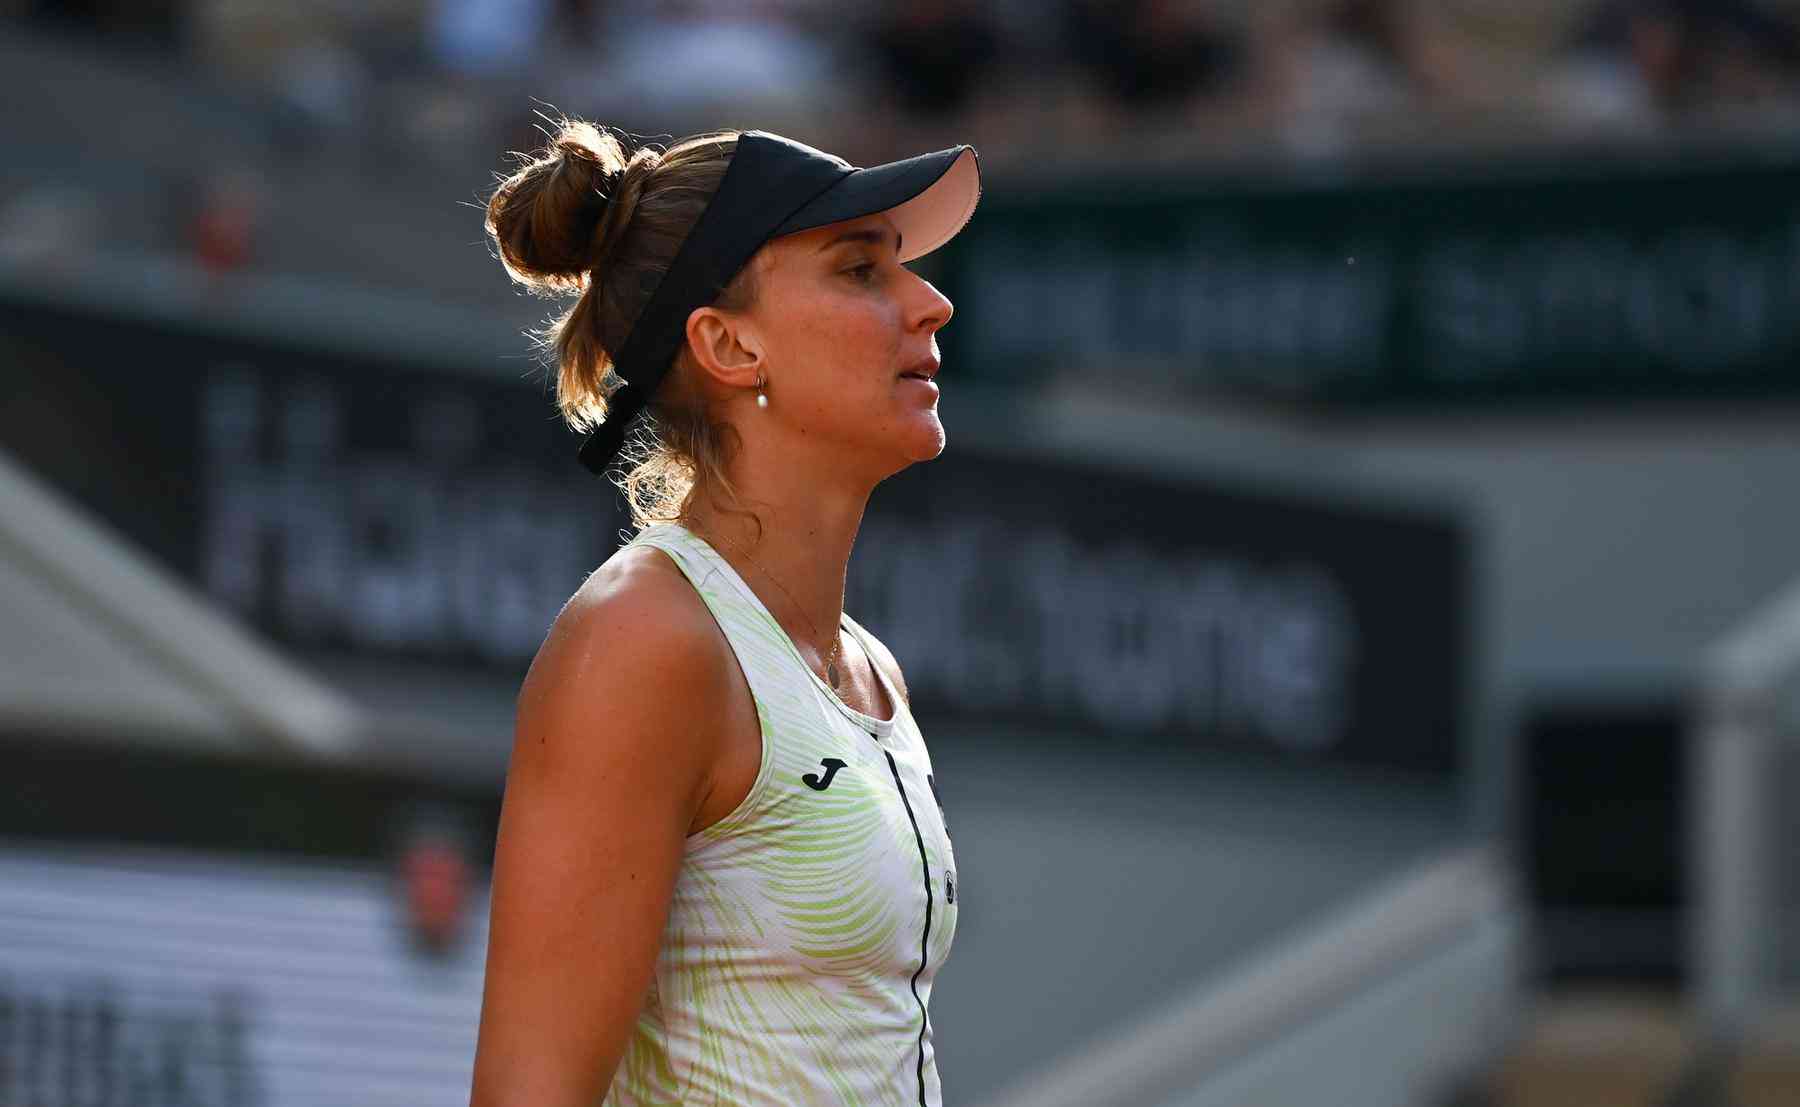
{"points": [[869, 235]]}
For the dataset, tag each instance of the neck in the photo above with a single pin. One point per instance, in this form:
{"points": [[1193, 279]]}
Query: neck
{"points": [[801, 558]]}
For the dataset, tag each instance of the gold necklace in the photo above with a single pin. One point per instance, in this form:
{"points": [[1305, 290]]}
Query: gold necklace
{"points": [[831, 659]]}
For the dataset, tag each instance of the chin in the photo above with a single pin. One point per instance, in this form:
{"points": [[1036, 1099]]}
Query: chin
{"points": [[927, 442]]}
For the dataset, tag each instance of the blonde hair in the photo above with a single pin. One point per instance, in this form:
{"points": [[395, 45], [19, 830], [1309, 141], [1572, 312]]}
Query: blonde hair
{"points": [[582, 216]]}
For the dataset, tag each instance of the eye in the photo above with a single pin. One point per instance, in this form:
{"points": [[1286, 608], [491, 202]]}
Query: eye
{"points": [[864, 272]]}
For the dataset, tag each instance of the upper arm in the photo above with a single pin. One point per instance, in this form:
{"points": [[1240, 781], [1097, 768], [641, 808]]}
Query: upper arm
{"points": [[612, 757]]}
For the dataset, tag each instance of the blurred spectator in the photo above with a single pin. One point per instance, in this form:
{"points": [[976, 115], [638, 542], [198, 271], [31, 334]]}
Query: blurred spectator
{"points": [[1154, 54], [225, 227], [1648, 60], [575, 24], [487, 36], [157, 21], [694, 57], [437, 87], [1331, 67], [934, 54], [436, 877]]}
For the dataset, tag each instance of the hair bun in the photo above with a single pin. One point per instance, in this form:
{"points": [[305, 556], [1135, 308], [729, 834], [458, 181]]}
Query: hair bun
{"points": [[550, 219]]}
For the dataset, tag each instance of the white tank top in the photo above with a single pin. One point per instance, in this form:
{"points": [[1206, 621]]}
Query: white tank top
{"points": [[808, 924]]}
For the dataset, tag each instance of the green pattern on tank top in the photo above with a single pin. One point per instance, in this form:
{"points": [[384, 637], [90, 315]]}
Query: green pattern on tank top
{"points": [[786, 969]]}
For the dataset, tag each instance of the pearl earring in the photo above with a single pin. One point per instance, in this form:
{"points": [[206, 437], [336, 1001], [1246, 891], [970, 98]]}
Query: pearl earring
{"points": [[762, 398]]}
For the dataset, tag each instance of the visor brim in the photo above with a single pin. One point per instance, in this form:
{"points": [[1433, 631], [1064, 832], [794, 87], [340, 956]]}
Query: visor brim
{"points": [[930, 198]]}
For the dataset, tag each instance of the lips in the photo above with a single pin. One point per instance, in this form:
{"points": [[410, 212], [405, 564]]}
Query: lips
{"points": [[924, 370]]}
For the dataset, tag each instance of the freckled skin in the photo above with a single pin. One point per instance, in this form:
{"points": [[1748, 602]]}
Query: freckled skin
{"points": [[837, 327], [835, 322]]}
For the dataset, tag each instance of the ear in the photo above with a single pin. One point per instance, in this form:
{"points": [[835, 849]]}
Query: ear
{"points": [[725, 346]]}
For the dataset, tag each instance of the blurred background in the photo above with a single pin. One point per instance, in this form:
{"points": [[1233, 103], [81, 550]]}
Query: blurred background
{"points": [[1354, 621]]}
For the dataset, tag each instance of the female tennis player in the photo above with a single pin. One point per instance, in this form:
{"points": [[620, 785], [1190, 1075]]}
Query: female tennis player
{"points": [[722, 876]]}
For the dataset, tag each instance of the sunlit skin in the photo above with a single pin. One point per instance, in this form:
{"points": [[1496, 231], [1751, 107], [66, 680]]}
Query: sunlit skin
{"points": [[635, 727], [837, 319], [836, 322]]}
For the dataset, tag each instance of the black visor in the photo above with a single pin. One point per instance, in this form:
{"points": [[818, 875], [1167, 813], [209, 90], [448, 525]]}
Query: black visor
{"points": [[776, 186], [929, 198]]}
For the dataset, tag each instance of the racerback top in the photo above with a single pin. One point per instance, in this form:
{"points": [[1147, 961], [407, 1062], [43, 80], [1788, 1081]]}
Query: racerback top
{"points": [[807, 925]]}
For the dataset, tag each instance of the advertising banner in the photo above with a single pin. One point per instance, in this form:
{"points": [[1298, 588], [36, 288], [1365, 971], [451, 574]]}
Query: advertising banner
{"points": [[1519, 282], [369, 507]]}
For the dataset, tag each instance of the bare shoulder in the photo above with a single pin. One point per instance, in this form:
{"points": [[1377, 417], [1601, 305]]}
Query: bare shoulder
{"points": [[634, 654], [617, 736], [880, 655], [637, 593]]}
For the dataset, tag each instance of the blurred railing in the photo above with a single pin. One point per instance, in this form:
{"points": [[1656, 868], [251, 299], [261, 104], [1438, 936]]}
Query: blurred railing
{"points": [[114, 600], [1744, 760], [1397, 1000]]}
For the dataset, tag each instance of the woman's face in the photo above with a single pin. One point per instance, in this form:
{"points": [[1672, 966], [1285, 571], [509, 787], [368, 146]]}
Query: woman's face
{"points": [[850, 342]]}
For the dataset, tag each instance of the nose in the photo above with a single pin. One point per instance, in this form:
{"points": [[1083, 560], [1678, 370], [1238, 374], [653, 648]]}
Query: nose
{"points": [[930, 308]]}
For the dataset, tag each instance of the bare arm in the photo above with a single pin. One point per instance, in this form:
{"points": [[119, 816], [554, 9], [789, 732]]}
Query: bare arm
{"points": [[612, 756]]}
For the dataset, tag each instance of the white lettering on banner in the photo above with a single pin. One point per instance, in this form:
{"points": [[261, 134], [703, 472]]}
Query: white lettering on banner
{"points": [[429, 549], [1696, 298], [433, 550], [1138, 641], [1210, 298], [1700, 299], [1479, 330]]}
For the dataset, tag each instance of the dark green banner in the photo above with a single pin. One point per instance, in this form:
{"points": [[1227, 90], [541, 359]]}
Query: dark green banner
{"points": [[1540, 284]]}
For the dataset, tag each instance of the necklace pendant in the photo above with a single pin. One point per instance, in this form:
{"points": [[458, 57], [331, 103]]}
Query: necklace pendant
{"points": [[831, 672]]}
